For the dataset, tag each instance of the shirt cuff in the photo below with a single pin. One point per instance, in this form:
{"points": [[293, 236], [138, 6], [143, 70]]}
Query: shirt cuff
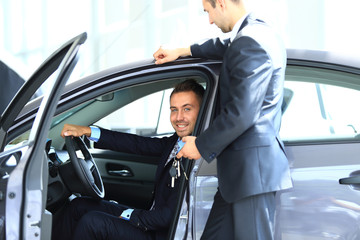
{"points": [[95, 134], [126, 214]]}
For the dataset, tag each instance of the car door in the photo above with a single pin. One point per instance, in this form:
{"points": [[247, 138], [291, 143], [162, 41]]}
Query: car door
{"points": [[24, 171], [320, 129]]}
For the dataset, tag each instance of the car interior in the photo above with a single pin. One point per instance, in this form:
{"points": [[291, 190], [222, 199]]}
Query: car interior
{"points": [[127, 178]]}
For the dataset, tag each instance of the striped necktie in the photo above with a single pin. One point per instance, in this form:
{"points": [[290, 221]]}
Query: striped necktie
{"points": [[173, 153]]}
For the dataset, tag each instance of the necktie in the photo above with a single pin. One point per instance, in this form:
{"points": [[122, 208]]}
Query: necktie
{"points": [[171, 156], [173, 153]]}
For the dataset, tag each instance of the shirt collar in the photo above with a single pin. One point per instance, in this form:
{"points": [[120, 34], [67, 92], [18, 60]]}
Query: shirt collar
{"points": [[236, 28]]}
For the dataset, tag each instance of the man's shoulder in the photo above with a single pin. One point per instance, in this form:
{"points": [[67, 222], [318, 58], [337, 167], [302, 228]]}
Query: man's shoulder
{"points": [[255, 29], [171, 138], [257, 33], [253, 20]]}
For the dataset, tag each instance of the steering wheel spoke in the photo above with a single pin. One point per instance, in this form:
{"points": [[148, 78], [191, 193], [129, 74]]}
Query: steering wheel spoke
{"points": [[85, 167], [91, 165]]}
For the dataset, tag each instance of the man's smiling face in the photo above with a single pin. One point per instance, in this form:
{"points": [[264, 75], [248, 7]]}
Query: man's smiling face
{"points": [[184, 107]]}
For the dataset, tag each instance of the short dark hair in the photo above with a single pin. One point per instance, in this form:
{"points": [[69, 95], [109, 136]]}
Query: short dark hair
{"points": [[190, 85], [213, 2]]}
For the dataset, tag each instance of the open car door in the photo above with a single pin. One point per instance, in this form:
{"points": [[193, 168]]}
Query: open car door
{"points": [[23, 169]]}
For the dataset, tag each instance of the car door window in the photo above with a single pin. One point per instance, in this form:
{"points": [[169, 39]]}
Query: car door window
{"points": [[320, 111], [147, 116]]}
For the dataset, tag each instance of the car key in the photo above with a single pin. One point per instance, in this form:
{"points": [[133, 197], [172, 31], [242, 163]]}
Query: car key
{"points": [[172, 173], [182, 168], [178, 168]]}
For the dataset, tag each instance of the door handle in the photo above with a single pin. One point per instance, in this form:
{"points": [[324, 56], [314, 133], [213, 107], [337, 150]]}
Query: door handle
{"points": [[121, 173], [350, 180]]}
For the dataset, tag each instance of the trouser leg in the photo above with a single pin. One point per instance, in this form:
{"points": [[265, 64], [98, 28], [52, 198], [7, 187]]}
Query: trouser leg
{"points": [[254, 217], [219, 223], [249, 218], [64, 226], [100, 225]]}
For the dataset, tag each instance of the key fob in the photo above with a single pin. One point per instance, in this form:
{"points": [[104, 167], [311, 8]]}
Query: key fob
{"points": [[181, 145], [172, 171]]}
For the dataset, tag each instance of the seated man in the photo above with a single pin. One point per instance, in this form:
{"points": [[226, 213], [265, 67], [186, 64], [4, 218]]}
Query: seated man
{"points": [[87, 218]]}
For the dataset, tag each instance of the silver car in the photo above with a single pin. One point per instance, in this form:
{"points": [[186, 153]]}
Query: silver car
{"points": [[320, 128]]}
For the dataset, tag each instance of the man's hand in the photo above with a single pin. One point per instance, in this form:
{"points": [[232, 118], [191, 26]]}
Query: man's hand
{"points": [[189, 150], [75, 130], [167, 55]]}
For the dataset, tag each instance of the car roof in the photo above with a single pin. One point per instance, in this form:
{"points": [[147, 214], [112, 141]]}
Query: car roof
{"points": [[327, 59], [301, 57], [296, 57]]}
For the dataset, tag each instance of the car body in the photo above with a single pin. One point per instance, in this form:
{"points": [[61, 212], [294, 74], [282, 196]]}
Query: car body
{"points": [[319, 128]]}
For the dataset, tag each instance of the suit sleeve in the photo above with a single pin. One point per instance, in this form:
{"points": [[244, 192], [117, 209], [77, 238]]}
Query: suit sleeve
{"points": [[131, 143], [210, 49], [155, 219], [249, 71]]}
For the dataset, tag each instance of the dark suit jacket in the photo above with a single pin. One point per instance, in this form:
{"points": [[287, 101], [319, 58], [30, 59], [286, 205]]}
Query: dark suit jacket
{"points": [[244, 134], [159, 218]]}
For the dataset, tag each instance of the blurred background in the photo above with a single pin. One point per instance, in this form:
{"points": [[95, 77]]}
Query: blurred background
{"points": [[122, 31]]}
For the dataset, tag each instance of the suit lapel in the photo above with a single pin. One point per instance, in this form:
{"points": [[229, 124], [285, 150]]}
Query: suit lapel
{"points": [[249, 19], [245, 22]]}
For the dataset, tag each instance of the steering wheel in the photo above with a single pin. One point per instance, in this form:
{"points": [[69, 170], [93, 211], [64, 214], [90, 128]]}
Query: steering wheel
{"points": [[85, 168]]}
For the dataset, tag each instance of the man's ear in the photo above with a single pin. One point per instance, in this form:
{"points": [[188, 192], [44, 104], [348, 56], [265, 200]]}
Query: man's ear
{"points": [[221, 3]]}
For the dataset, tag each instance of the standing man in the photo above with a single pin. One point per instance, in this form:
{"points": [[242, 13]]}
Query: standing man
{"points": [[87, 218], [243, 137]]}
